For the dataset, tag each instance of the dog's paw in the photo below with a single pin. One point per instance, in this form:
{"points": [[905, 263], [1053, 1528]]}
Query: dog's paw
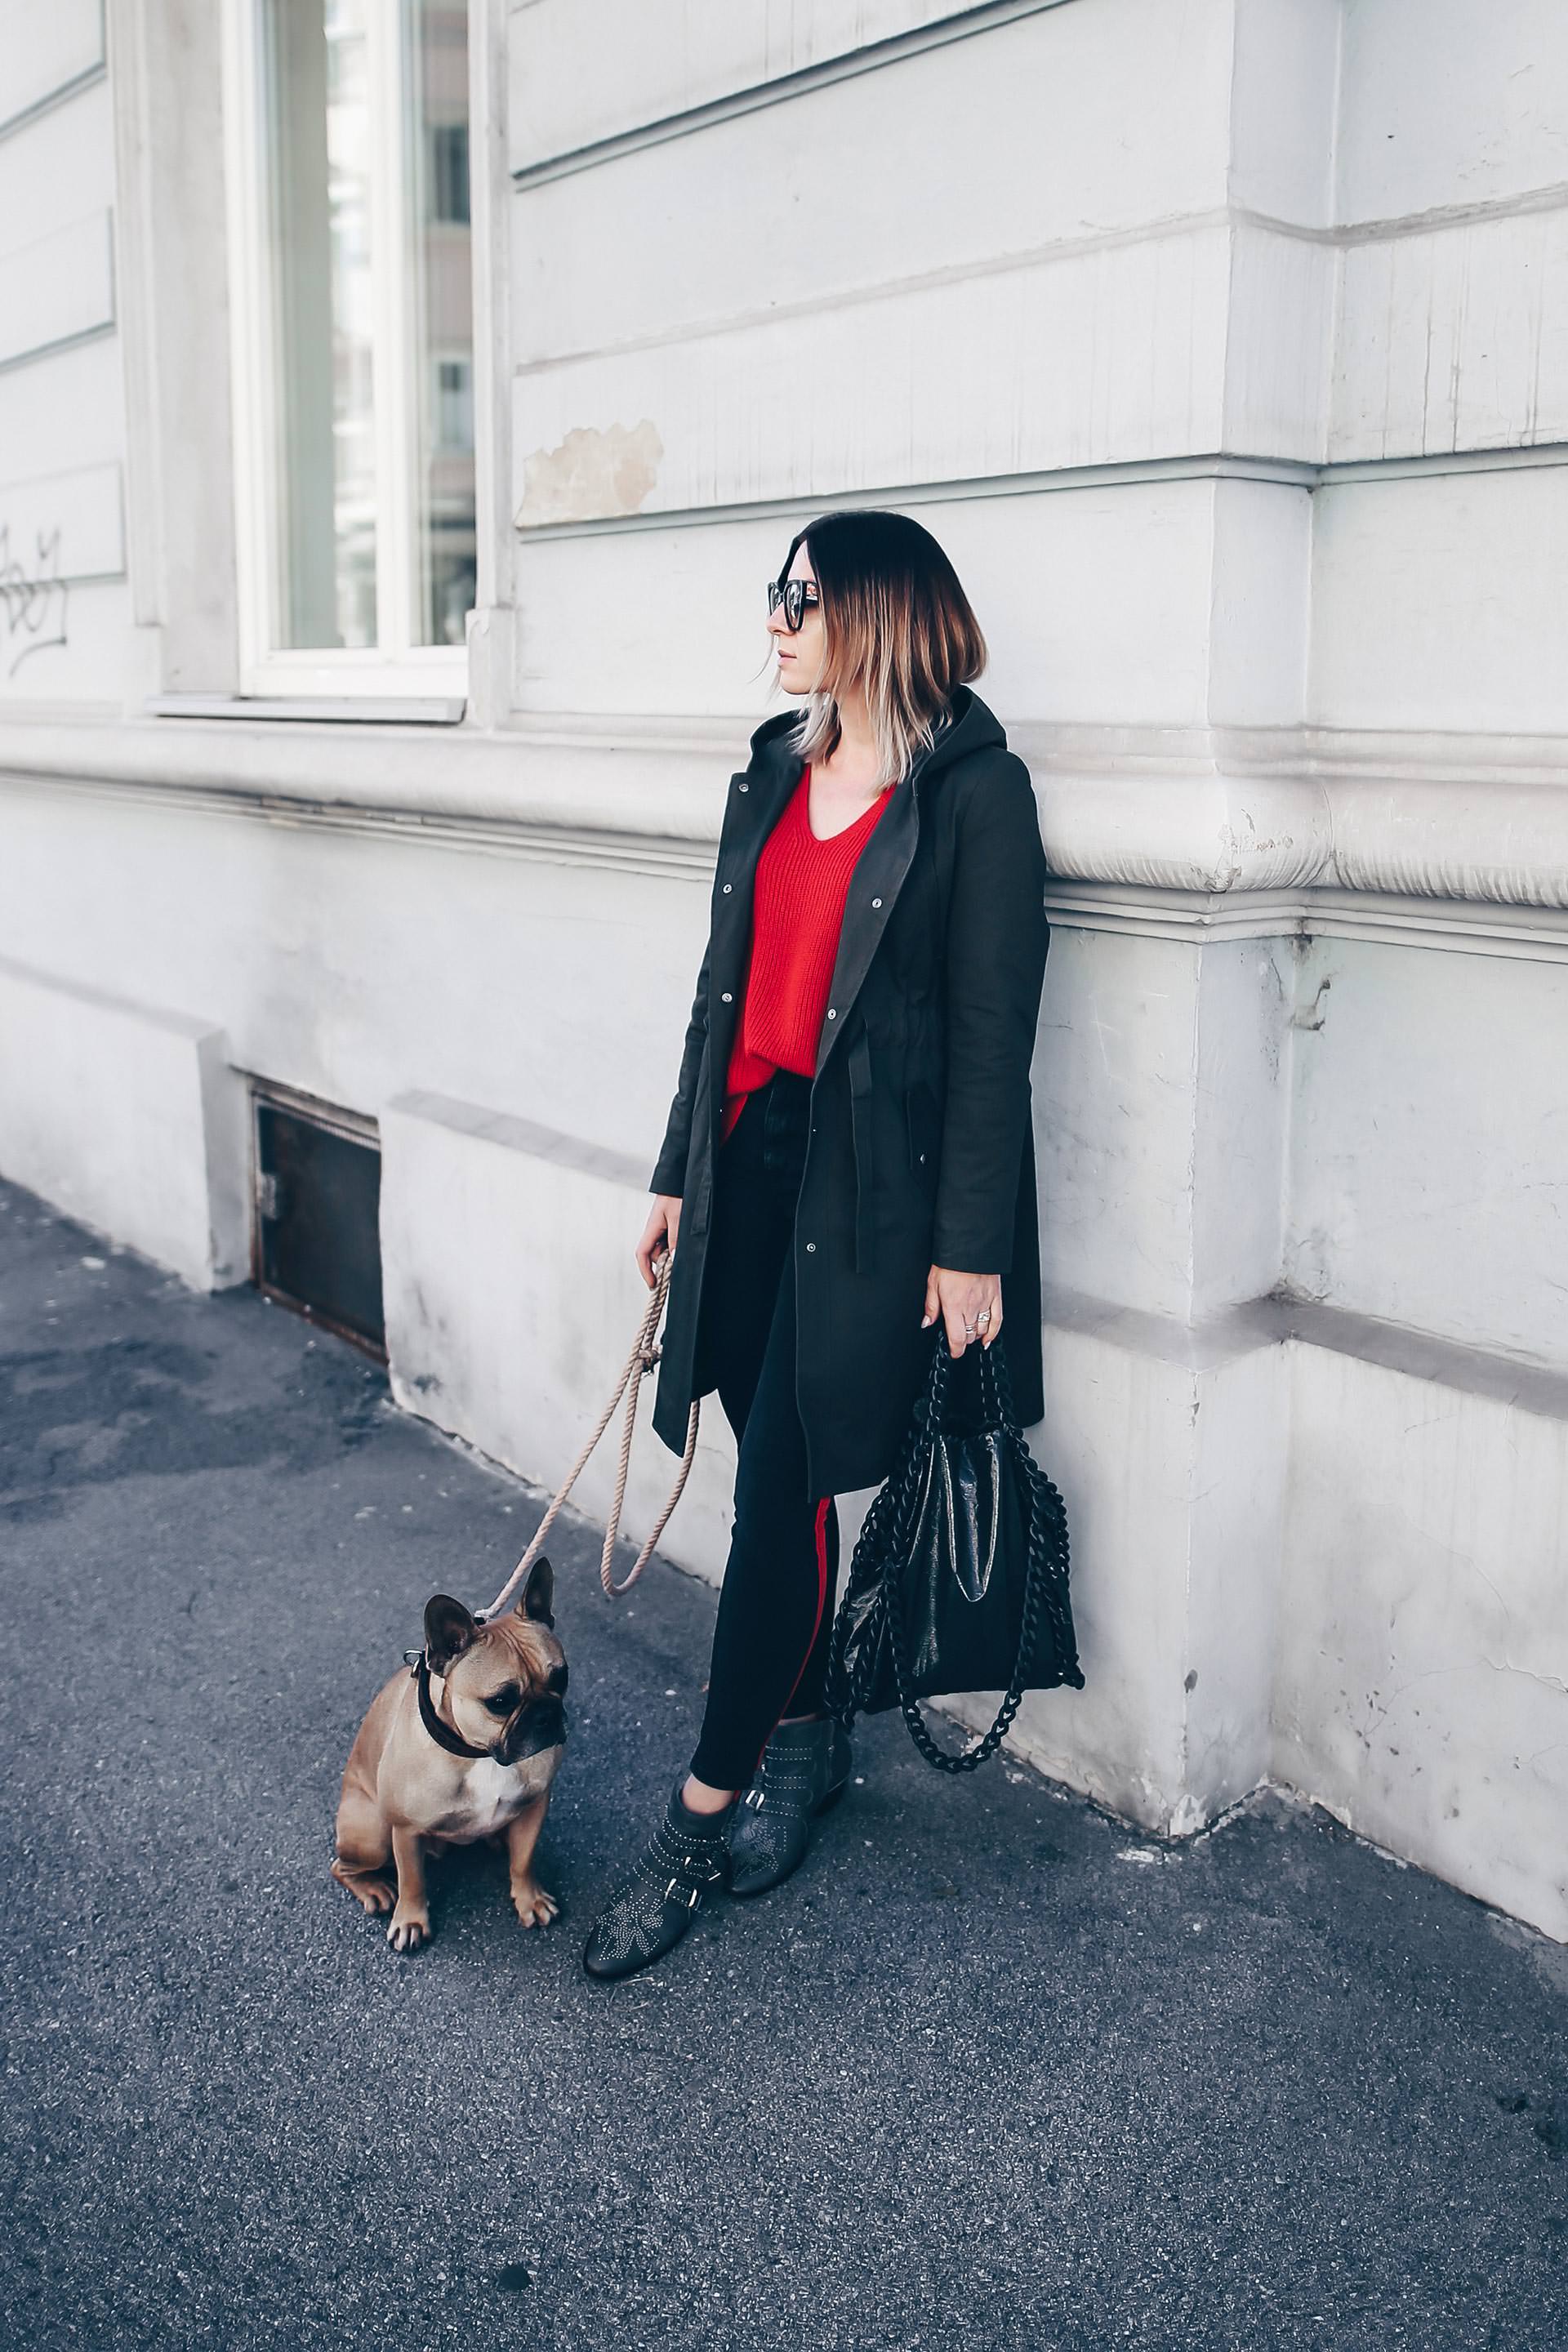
{"points": [[408, 1929], [534, 1905], [374, 1894]]}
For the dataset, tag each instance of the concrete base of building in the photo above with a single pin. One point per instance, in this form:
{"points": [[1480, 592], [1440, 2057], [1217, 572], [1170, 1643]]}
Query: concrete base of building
{"points": [[129, 1117]]}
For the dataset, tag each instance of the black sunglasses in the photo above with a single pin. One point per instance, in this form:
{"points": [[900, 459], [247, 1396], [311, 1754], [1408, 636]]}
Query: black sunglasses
{"points": [[798, 597]]}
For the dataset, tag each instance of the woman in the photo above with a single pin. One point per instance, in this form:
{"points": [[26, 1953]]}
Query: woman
{"points": [[849, 1158]]}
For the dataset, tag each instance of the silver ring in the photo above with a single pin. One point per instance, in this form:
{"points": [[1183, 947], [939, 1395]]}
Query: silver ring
{"points": [[985, 1315], [969, 1330]]}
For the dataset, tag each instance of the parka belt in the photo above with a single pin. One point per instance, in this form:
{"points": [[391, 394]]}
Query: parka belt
{"points": [[858, 1055]]}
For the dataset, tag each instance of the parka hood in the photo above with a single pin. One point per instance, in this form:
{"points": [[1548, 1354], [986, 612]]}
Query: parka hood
{"points": [[969, 726]]}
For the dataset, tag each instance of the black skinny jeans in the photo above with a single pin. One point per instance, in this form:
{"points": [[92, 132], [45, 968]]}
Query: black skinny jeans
{"points": [[775, 1606]]}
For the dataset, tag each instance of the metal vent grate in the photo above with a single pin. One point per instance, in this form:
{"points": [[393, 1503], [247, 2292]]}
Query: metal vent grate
{"points": [[317, 1228]]}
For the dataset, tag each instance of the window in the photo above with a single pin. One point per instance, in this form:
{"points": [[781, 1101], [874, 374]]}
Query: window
{"points": [[353, 303]]}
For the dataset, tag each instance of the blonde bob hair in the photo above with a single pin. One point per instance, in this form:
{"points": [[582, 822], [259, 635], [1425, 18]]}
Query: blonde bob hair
{"points": [[898, 627]]}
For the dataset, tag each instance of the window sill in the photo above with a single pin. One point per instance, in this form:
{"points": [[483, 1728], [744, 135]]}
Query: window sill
{"points": [[363, 710]]}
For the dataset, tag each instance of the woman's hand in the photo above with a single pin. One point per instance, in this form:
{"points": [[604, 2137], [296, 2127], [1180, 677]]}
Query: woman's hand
{"points": [[969, 1304], [659, 1235]]}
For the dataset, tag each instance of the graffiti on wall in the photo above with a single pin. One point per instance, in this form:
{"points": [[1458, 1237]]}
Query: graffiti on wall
{"points": [[32, 597]]}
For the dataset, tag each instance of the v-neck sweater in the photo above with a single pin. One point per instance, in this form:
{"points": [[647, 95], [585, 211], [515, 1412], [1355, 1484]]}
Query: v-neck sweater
{"points": [[797, 914]]}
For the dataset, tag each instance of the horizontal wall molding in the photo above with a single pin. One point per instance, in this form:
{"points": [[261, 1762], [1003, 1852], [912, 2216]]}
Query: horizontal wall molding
{"points": [[807, 308], [46, 55], [57, 291], [508, 1133], [964, 25], [1281, 1318], [374, 710], [67, 526], [562, 844], [1397, 468], [1443, 840], [1290, 473], [1204, 1344], [776, 91], [1215, 329], [552, 781], [1109, 356], [1435, 217], [1539, 935], [1168, 227], [102, 1000]]}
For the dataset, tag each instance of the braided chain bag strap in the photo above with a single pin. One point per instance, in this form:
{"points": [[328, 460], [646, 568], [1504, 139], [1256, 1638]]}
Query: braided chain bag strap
{"points": [[860, 1627], [884, 1546]]}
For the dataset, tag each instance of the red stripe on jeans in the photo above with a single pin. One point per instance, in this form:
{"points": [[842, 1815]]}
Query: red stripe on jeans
{"points": [[820, 1535]]}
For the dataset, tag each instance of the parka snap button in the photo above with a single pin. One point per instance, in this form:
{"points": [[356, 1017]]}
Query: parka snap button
{"points": [[832, 1013], [811, 1247], [876, 902], [728, 888], [745, 788], [726, 998]]}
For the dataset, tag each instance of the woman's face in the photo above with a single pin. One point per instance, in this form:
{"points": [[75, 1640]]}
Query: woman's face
{"points": [[802, 652]]}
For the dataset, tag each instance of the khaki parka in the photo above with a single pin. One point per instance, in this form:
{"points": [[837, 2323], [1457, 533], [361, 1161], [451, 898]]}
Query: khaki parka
{"points": [[921, 1145]]}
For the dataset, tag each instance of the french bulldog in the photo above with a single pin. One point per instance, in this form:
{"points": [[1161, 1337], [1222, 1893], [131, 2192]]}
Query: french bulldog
{"points": [[462, 1747]]}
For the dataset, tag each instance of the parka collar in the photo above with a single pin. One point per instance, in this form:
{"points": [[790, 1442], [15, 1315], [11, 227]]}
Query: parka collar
{"points": [[969, 726], [883, 867]]}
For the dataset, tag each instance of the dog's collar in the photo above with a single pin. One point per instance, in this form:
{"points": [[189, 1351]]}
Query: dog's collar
{"points": [[441, 1733]]}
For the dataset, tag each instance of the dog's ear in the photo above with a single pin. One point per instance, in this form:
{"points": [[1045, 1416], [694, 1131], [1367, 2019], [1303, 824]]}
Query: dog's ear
{"points": [[539, 1592], [448, 1631]]}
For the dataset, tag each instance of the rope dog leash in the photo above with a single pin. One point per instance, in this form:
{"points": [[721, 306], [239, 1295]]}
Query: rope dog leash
{"points": [[645, 1354]]}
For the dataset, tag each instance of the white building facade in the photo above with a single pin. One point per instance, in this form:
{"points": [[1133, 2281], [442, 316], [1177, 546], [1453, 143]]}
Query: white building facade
{"points": [[402, 406]]}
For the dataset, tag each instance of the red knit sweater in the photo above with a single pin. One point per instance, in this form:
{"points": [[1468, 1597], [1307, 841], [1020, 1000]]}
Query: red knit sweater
{"points": [[797, 913]]}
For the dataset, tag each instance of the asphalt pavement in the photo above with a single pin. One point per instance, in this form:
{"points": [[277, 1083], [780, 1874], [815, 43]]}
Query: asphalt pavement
{"points": [[993, 2072]]}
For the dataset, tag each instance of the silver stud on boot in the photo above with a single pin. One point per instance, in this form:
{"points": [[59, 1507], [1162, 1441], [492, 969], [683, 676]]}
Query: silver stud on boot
{"points": [[802, 1770]]}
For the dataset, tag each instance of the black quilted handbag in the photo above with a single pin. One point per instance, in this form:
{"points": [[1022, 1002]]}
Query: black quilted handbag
{"points": [[959, 1579]]}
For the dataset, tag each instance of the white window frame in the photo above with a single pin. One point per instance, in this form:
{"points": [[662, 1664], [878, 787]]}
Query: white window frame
{"points": [[394, 666]]}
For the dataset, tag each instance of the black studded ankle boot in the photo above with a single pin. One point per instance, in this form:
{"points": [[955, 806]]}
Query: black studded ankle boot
{"points": [[657, 1902], [802, 1770]]}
